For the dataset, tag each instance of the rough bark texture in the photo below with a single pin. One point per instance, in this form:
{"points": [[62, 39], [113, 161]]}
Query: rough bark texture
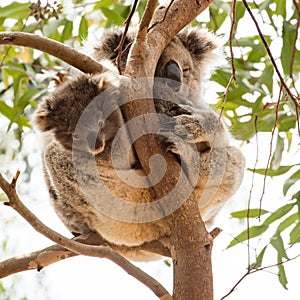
{"points": [[190, 242]]}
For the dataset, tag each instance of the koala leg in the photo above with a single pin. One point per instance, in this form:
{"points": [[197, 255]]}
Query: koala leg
{"points": [[221, 173]]}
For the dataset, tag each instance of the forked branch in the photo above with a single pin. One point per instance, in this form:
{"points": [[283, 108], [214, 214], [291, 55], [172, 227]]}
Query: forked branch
{"points": [[73, 245]]}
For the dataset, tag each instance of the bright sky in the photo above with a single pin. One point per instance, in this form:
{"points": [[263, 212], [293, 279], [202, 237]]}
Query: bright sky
{"points": [[90, 278]]}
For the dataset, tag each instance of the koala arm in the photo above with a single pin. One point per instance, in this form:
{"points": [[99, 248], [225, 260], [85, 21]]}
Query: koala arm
{"points": [[202, 126], [215, 168]]}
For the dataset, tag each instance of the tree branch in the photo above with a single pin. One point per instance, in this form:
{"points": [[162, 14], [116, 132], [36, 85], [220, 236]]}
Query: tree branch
{"points": [[73, 245], [42, 258], [190, 242], [72, 57]]}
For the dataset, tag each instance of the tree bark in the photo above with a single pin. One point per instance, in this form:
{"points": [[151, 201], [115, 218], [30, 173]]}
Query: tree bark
{"points": [[72, 57], [190, 244]]}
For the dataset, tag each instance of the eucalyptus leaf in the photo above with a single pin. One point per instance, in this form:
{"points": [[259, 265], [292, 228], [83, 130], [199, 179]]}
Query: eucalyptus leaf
{"points": [[251, 213], [250, 233], [291, 181]]}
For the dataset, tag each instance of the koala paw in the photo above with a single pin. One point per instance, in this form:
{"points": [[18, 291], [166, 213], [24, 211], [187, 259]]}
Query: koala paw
{"points": [[172, 128], [175, 143], [176, 138], [190, 127]]}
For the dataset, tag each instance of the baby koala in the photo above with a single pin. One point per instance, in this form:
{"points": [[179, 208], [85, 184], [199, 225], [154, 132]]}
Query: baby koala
{"points": [[68, 105]]}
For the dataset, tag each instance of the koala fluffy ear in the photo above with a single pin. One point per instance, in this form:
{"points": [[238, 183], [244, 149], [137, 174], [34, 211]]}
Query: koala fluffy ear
{"points": [[202, 45], [42, 116], [105, 48]]}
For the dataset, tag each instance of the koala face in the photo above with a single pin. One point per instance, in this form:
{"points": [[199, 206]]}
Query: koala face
{"points": [[186, 62], [76, 121]]}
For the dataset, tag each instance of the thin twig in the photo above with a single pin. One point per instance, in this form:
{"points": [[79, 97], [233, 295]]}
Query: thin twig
{"points": [[270, 152], [233, 73], [253, 270], [74, 246], [283, 83], [235, 286], [251, 189], [120, 46], [232, 32]]}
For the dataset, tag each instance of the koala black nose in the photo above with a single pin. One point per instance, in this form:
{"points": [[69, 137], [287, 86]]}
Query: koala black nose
{"points": [[172, 71], [95, 143]]}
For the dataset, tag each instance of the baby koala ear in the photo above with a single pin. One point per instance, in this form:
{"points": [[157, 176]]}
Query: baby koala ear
{"points": [[41, 118], [106, 46]]}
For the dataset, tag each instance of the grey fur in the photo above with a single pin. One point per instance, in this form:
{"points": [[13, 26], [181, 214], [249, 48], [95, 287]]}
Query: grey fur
{"points": [[194, 131]]}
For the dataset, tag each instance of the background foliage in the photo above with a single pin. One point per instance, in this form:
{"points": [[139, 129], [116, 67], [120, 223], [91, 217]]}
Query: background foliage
{"points": [[255, 105]]}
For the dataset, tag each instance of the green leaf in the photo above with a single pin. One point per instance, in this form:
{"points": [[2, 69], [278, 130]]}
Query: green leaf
{"points": [[10, 113], [291, 181], [281, 8], [295, 234], [282, 276], [265, 5], [279, 213], [15, 10], [251, 213], [259, 259], [290, 220], [67, 32], [288, 37], [51, 26], [253, 231], [281, 170], [240, 10], [7, 111], [267, 77], [276, 159], [112, 16], [83, 29], [277, 243]]}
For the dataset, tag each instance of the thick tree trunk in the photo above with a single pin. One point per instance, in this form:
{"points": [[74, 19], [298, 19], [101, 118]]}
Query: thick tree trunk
{"points": [[190, 244]]}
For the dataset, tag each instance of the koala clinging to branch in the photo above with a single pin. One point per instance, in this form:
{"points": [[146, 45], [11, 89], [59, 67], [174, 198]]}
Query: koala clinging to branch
{"points": [[95, 180]]}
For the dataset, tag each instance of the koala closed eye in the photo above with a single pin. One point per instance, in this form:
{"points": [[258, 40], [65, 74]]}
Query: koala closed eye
{"points": [[186, 71]]}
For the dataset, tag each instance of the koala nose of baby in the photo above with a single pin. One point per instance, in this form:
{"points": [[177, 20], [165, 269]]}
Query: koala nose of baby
{"points": [[95, 143], [172, 71]]}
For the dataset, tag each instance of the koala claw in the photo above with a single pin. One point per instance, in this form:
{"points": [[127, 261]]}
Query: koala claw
{"points": [[174, 144], [180, 110], [181, 131], [168, 126], [172, 128]]}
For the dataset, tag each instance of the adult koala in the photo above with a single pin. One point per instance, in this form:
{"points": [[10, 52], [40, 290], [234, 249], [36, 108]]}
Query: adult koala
{"points": [[91, 188]]}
